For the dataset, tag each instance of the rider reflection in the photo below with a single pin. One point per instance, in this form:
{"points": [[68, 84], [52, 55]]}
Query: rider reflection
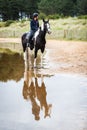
{"points": [[41, 96], [36, 94]]}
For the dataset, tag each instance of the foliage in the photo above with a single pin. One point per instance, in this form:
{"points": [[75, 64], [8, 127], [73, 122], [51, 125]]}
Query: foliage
{"points": [[55, 16], [11, 65], [66, 28], [8, 22], [65, 7], [13, 9], [42, 15], [2, 24], [82, 17]]}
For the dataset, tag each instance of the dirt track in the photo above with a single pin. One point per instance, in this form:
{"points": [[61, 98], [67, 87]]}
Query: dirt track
{"points": [[63, 56], [68, 56]]}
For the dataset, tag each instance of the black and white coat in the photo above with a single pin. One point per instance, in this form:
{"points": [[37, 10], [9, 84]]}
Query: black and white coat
{"points": [[39, 39]]}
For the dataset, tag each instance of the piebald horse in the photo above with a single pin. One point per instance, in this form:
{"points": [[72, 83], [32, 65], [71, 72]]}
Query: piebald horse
{"points": [[39, 40]]}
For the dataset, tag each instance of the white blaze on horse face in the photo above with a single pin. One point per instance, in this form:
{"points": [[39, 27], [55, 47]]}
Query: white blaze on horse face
{"points": [[48, 28], [42, 26]]}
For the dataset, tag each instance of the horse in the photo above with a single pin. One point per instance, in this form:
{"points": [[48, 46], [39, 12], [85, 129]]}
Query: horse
{"points": [[38, 41]]}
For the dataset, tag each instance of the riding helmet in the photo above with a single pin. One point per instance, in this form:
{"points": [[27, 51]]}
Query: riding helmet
{"points": [[35, 15]]}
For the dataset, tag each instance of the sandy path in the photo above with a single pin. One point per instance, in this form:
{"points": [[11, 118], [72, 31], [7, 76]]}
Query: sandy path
{"points": [[68, 56], [63, 56]]}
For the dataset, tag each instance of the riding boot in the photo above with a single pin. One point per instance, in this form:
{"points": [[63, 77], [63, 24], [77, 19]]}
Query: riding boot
{"points": [[27, 40]]}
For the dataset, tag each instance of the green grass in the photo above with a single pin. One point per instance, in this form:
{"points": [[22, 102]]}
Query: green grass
{"points": [[7, 51], [2, 50], [67, 28]]}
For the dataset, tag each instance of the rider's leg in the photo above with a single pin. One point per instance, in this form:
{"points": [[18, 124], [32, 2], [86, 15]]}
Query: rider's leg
{"points": [[29, 36]]}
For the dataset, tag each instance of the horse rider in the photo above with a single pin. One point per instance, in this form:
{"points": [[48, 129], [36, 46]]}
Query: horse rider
{"points": [[34, 25]]}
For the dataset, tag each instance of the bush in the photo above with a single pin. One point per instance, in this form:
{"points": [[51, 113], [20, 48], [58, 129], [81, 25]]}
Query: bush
{"points": [[42, 16], [62, 16], [2, 24], [55, 16], [8, 23], [82, 17], [23, 20]]}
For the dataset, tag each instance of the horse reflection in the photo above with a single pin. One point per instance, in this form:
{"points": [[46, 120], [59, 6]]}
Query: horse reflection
{"points": [[29, 94], [36, 93]]}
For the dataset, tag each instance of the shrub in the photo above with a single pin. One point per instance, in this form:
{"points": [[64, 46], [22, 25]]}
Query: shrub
{"points": [[55, 16], [62, 16], [82, 17], [2, 24], [8, 23], [23, 20], [42, 15]]}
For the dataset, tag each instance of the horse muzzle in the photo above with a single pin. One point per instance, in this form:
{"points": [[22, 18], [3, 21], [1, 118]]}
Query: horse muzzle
{"points": [[49, 31]]}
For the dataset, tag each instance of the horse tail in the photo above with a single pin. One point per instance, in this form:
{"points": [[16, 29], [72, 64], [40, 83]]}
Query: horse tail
{"points": [[23, 38], [24, 42]]}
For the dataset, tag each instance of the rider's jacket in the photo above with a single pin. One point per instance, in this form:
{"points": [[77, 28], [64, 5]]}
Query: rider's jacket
{"points": [[34, 24]]}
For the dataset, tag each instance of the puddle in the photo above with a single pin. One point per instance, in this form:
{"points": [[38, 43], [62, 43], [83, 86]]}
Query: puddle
{"points": [[65, 96], [35, 99], [12, 46], [11, 67]]}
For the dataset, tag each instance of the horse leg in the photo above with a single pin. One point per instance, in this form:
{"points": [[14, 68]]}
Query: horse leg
{"points": [[42, 51], [41, 60], [35, 73], [23, 40], [24, 50], [42, 79], [30, 57], [35, 56], [27, 57]]}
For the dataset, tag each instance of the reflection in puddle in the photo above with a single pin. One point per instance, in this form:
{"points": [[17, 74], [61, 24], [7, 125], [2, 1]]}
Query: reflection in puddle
{"points": [[36, 93], [12, 46], [11, 67], [34, 89], [27, 96]]}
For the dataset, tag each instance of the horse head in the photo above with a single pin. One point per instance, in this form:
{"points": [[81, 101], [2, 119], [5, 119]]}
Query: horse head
{"points": [[46, 26]]}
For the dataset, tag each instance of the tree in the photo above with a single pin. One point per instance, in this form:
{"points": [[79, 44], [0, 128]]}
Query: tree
{"points": [[57, 6], [82, 7], [4, 9], [48, 6], [10, 9], [67, 7]]}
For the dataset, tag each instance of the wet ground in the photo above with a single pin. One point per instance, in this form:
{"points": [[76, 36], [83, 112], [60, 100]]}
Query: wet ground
{"points": [[47, 98]]}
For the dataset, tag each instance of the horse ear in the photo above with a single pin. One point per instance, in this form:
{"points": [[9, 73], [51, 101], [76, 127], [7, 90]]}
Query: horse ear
{"points": [[43, 20]]}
